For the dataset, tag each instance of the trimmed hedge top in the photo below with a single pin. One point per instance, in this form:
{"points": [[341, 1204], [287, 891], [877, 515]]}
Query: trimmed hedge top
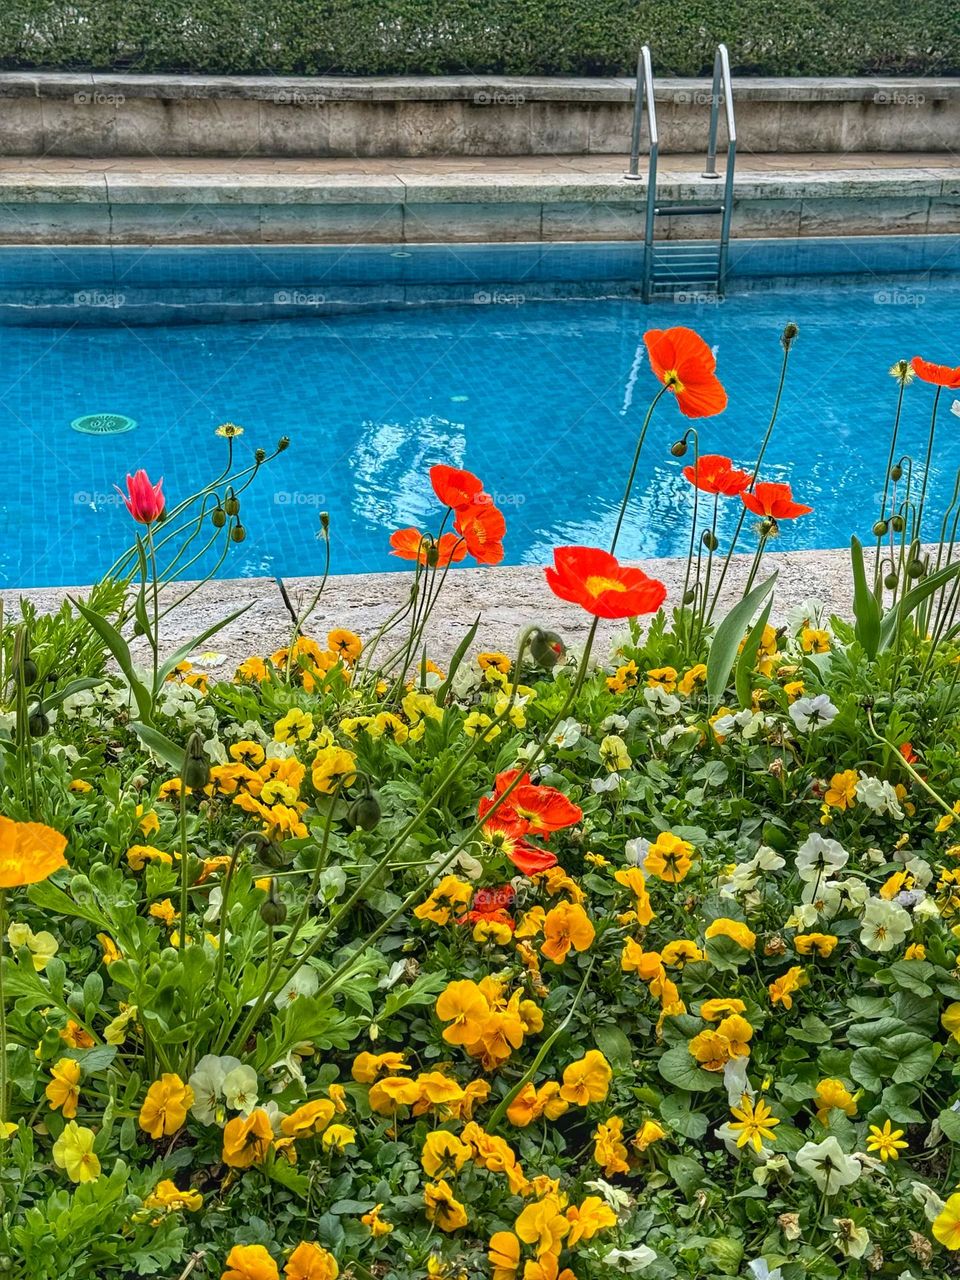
{"points": [[518, 37]]}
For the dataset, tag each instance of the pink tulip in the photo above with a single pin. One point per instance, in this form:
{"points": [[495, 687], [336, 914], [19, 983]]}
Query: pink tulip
{"points": [[145, 502]]}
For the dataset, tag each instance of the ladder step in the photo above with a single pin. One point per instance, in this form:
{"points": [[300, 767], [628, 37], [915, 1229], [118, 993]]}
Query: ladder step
{"points": [[671, 210]]}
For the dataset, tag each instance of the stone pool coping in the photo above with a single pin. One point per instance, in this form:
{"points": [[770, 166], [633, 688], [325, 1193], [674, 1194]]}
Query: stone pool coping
{"points": [[507, 598]]}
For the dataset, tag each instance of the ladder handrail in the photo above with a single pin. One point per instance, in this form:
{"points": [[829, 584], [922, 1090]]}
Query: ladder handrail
{"points": [[644, 95], [722, 84]]}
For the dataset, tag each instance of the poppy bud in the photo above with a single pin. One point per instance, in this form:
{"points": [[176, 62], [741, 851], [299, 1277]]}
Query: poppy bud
{"points": [[709, 540], [231, 504], [196, 765], [324, 520], [433, 554], [28, 672], [915, 569], [880, 528], [238, 533], [365, 813], [788, 337], [546, 648], [38, 724], [259, 455], [890, 582], [897, 524], [690, 595], [767, 526], [678, 448], [218, 517], [283, 443], [272, 910], [896, 472], [138, 628]]}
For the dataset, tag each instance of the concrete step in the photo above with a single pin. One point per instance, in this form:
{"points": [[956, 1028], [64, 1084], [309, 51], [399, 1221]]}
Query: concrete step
{"points": [[416, 200]]}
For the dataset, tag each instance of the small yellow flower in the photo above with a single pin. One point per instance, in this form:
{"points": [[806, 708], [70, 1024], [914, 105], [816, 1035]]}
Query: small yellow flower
{"points": [[754, 1123], [886, 1142]]}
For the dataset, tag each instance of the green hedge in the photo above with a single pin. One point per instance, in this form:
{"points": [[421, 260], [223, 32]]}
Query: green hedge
{"points": [[520, 37]]}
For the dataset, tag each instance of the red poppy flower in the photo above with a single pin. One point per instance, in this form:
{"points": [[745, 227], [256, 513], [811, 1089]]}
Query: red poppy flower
{"points": [[545, 809], [940, 374], [596, 581], [411, 544], [491, 904], [774, 500], [908, 753], [713, 473], [455, 488], [507, 838], [686, 366], [482, 527]]}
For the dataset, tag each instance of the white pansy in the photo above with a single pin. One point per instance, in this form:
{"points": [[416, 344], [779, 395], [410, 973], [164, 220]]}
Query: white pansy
{"points": [[274, 1114], [679, 731], [737, 1082], [828, 1165], [303, 983], [610, 783], [619, 1200], [759, 1270], [824, 898], [614, 724], [207, 1085], [640, 1255], [926, 910], [851, 1240], [921, 871], [660, 702], [933, 1206], [884, 925], [810, 713], [725, 725], [215, 751], [818, 857], [878, 796], [636, 851], [806, 614], [240, 1089], [214, 903], [566, 734]]}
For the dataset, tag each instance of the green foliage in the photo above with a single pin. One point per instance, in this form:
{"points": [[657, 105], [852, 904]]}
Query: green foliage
{"points": [[535, 37]]}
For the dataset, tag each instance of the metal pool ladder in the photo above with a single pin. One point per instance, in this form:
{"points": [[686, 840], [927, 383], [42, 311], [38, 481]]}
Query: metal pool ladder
{"points": [[676, 266]]}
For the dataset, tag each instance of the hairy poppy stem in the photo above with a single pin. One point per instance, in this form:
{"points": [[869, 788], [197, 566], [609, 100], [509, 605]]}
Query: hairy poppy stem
{"points": [[926, 465], [633, 468]]}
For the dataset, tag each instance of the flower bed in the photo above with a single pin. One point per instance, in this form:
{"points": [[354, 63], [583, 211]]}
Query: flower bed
{"points": [[535, 965]]}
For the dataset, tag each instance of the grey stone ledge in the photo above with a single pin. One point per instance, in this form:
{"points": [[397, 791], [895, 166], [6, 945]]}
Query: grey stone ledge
{"points": [[291, 89]]}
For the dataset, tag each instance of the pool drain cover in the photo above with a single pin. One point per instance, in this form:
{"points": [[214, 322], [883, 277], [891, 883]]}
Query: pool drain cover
{"points": [[103, 424]]}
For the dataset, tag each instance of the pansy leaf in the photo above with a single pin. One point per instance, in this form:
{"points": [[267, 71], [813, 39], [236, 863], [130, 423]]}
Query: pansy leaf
{"points": [[680, 1068]]}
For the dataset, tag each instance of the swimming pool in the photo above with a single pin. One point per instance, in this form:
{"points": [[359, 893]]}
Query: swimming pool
{"points": [[541, 397]]}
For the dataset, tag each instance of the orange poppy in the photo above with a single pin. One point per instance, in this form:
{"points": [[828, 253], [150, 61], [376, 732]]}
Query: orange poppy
{"points": [[411, 544], [491, 904], [596, 581], [686, 366], [507, 837], [775, 501], [545, 809], [29, 852], [455, 488], [940, 374], [482, 527], [713, 473]]}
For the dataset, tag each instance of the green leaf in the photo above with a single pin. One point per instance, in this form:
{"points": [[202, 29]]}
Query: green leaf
{"points": [[615, 1047], [461, 649], [678, 1067], [675, 1112], [726, 641], [950, 1123], [866, 607], [159, 743], [743, 678], [895, 617], [75, 686], [687, 1174], [115, 642]]}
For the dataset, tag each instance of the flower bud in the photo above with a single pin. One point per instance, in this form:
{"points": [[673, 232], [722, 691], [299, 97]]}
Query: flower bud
{"points": [[678, 448], [789, 335], [272, 910], [690, 595], [38, 724], [433, 554], [897, 524], [259, 455], [218, 517], [890, 582], [365, 813], [880, 528], [28, 672], [709, 540], [915, 569], [231, 504], [196, 764], [896, 471], [546, 648], [767, 526], [324, 520], [283, 443], [238, 533]]}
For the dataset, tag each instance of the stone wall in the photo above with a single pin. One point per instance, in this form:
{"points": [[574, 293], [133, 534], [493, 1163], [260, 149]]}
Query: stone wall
{"points": [[62, 114]]}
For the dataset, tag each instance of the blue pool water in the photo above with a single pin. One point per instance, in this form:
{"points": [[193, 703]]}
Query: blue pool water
{"points": [[543, 399]]}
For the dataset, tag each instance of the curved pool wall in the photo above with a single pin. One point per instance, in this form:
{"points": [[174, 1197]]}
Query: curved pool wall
{"points": [[525, 364]]}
